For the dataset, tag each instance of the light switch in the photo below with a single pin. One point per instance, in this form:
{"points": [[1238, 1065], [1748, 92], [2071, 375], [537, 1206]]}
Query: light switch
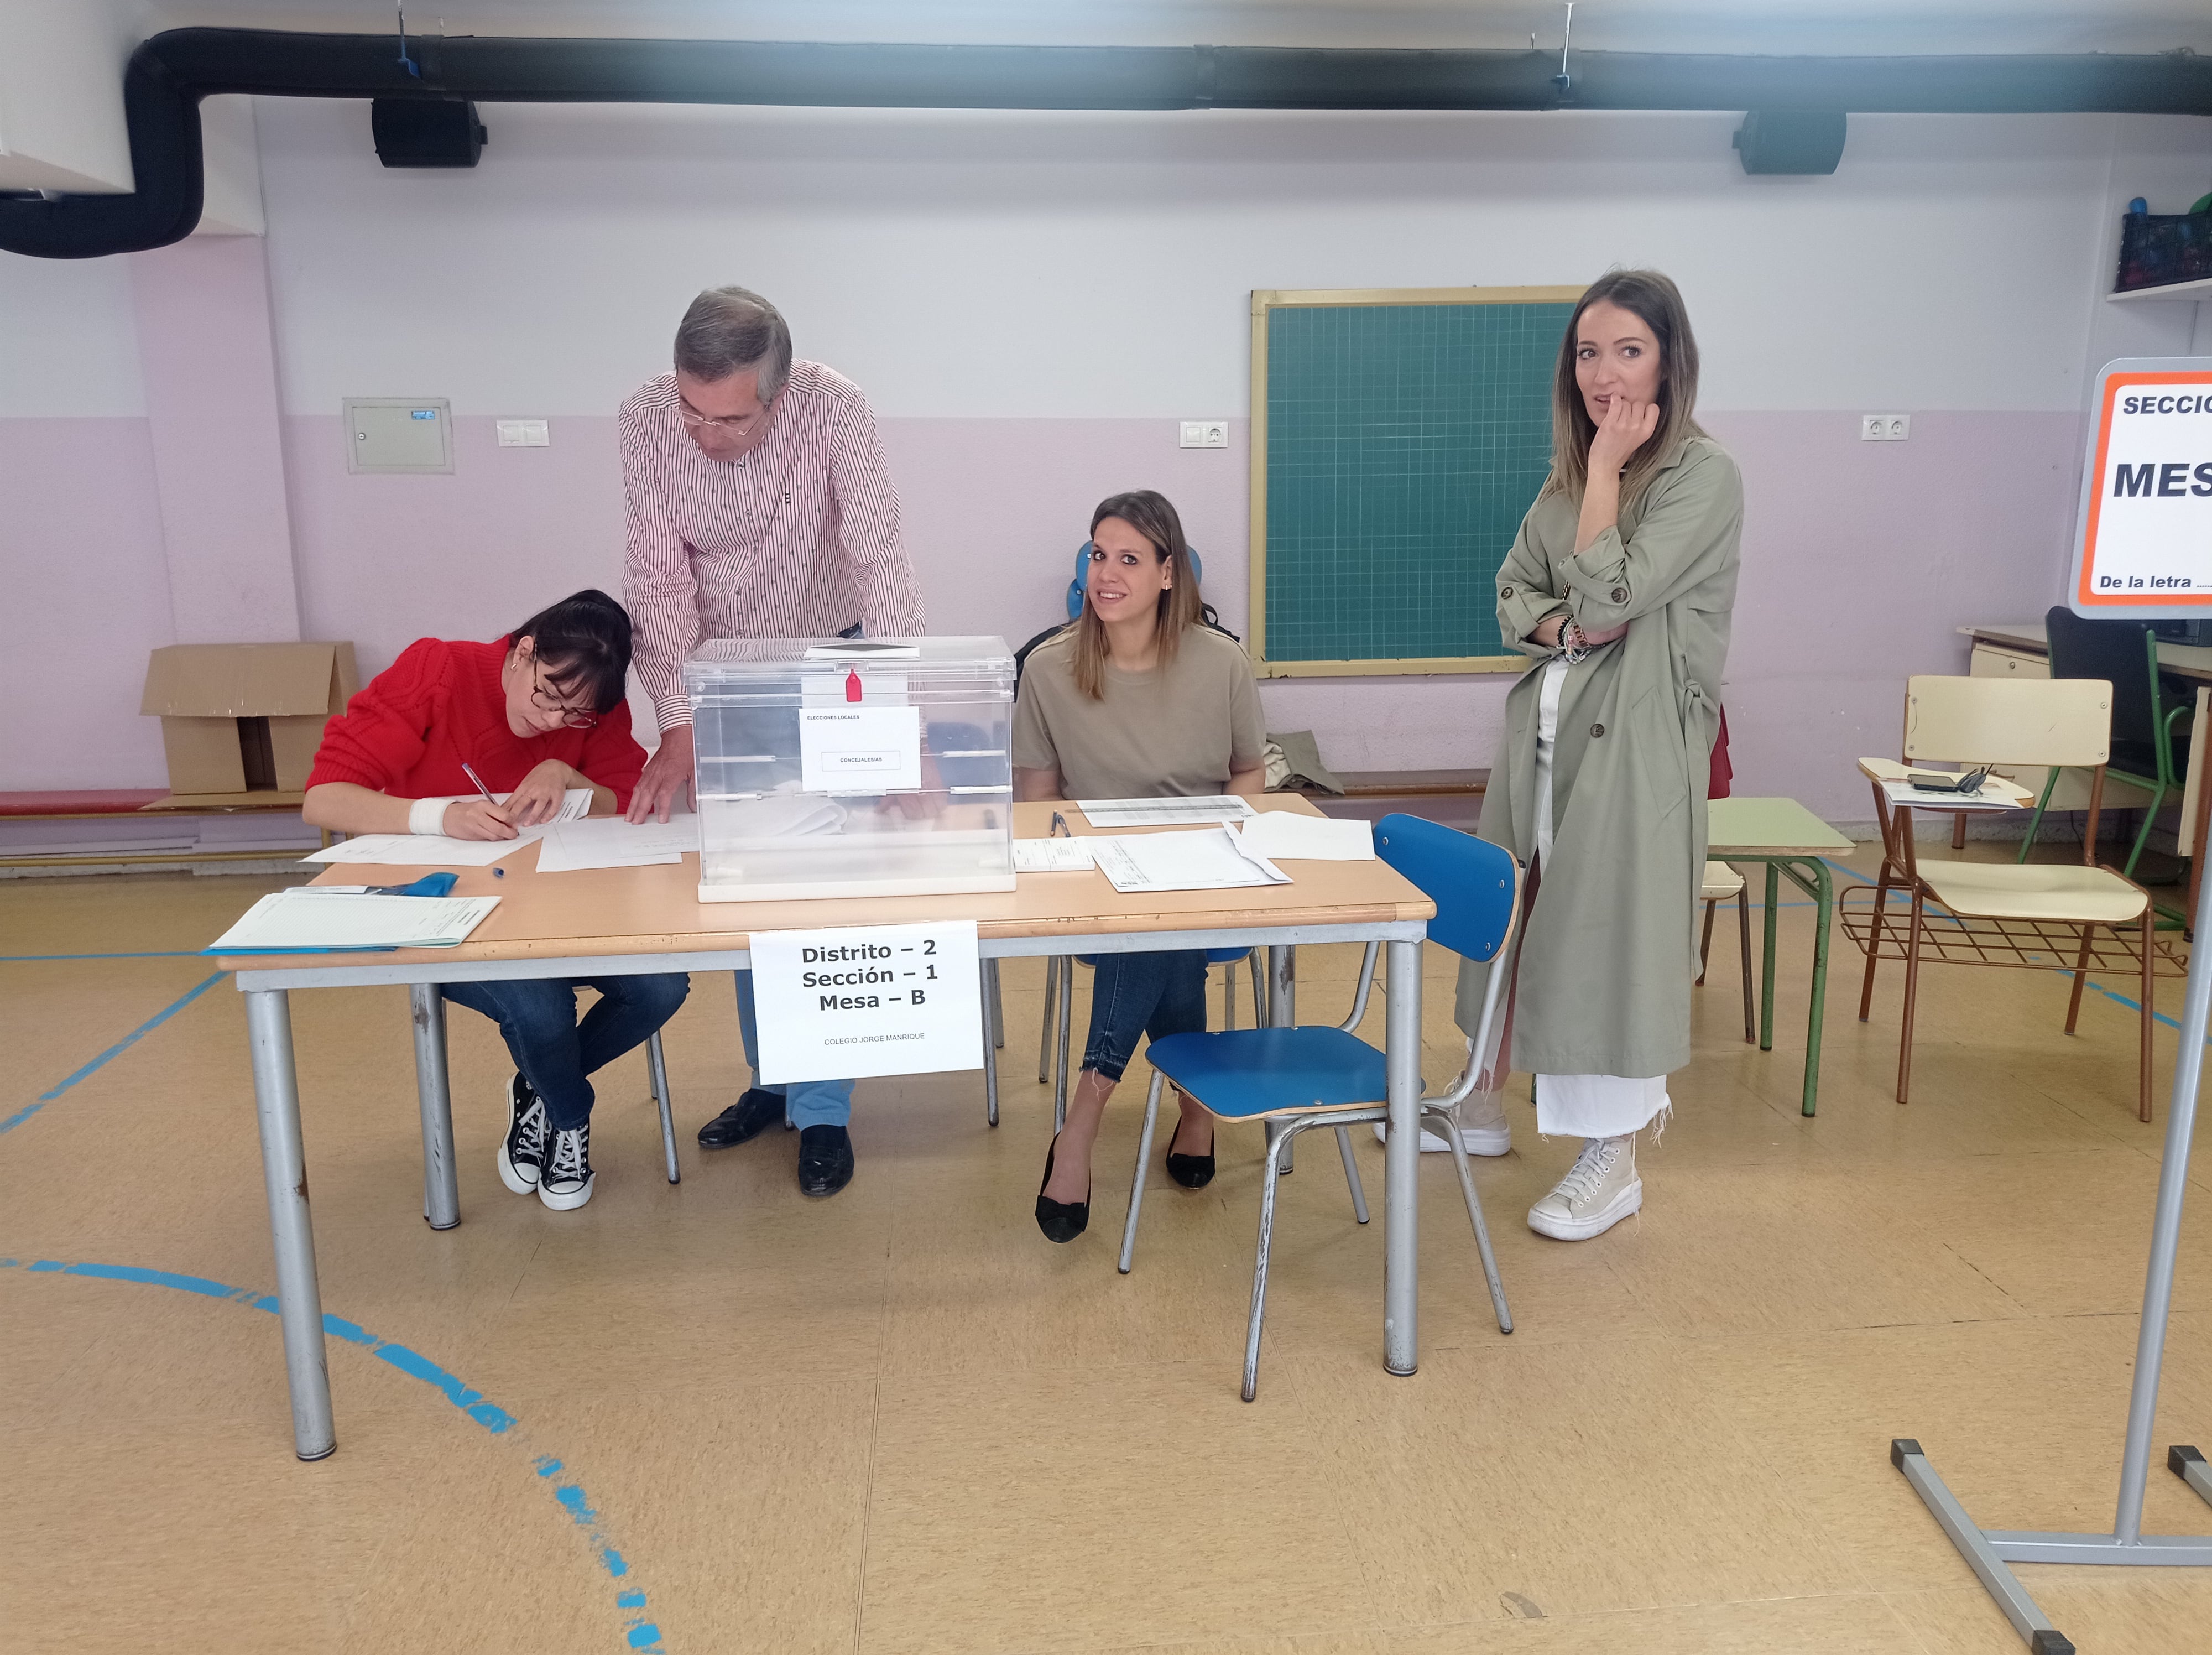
{"points": [[524, 434], [398, 433]]}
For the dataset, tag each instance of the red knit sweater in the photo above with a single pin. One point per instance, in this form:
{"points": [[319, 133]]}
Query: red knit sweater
{"points": [[441, 703]]}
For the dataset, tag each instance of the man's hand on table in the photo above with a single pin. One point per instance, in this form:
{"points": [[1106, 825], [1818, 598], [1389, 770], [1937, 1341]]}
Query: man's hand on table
{"points": [[667, 773]]}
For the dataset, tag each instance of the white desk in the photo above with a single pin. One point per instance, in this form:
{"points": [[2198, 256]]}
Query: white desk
{"points": [[629, 921]]}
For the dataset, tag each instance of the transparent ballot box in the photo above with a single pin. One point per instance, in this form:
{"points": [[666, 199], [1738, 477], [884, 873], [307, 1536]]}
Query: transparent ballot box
{"points": [[835, 767]]}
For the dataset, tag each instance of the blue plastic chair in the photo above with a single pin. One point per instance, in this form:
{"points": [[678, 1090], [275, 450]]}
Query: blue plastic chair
{"points": [[1059, 999], [1295, 1078]]}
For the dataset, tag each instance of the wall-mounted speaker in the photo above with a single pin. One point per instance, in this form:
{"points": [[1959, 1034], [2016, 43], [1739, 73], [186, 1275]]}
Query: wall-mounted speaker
{"points": [[1802, 141], [426, 132]]}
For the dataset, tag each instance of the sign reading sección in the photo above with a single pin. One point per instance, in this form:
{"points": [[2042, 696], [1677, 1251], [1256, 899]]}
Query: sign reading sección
{"points": [[2144, 541], [867, 999]]}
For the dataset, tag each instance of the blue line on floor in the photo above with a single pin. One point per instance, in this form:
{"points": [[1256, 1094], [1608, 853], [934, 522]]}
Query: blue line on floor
{"points": [[157, 954], [638, 1632], [113, 1052]]}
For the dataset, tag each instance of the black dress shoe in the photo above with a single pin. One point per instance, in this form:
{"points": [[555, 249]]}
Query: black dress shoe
{"points": [[825, 1160], [1191, 1171], [747, 1119], [1061, 1221]]}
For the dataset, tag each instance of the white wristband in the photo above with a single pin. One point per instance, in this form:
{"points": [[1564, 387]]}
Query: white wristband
{"points": [[427, 816]]}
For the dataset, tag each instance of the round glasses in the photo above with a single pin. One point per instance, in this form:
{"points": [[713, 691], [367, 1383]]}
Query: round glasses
{"points": [[575, 718]]}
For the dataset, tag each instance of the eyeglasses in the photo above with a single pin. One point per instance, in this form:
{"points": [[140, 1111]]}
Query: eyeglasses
{"points": [[735, 425], [575, 718]]}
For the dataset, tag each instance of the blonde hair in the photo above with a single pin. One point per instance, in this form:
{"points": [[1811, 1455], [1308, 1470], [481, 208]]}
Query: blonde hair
{"points": [[1655, 300], [1152, 516]]}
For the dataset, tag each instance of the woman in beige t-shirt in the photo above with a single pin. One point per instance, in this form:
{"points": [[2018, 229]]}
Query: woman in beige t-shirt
{"points": [[1136, 699]]}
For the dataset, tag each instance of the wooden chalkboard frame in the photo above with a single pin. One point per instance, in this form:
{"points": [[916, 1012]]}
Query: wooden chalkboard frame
{"points": [[1267, 299]]}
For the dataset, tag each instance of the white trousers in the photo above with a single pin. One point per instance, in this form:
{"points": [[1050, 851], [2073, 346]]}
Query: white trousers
{"points": [[1581, 1105]]}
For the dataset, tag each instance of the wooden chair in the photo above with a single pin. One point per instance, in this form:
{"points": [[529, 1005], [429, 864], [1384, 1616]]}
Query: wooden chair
{"points": [[1723, 882], [2033, 916]]}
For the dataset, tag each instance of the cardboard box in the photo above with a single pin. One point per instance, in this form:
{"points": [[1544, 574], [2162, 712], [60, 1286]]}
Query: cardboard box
{"points": [[246, 717]]}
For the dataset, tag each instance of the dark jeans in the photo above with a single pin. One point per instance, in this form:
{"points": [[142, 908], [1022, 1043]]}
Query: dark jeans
{"points": [[555, 1052], [1153, 995]]}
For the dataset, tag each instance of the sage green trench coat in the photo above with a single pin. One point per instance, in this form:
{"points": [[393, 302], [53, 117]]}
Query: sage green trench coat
{"points": [[1609, 949]]}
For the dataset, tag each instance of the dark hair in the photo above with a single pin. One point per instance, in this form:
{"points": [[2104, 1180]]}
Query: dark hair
{"points": [[727, 330], [1150, 515], [1656, 302], [582, 641]]}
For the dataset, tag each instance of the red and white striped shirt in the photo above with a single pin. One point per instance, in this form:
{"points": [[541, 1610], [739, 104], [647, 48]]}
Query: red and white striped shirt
{"points": [[798, 539]]}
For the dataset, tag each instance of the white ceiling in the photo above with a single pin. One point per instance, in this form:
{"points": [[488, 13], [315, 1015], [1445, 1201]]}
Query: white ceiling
{"points": [[1793, 26]]}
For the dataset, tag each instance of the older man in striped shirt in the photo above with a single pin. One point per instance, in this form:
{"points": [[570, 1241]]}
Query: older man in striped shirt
{"points": [[760, 507]]}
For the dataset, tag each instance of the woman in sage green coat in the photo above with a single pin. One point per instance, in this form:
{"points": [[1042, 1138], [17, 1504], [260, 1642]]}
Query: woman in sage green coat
{"points": [[1621, 581]]}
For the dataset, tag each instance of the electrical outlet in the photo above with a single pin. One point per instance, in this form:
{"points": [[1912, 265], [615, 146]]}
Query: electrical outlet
{"points": [[524, 434], [1885, 428], [1205, 434]]}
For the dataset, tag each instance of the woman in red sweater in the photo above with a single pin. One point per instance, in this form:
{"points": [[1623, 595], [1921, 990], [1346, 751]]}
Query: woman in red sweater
{"points": [[535, 713]]}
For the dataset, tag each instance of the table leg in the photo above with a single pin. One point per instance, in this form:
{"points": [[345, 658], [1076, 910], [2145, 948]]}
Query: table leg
{"points": [[1767, 964], [1401, 1161], [291, 1233], [990, 1043], [1283, 1014], [434, 1094], [1824, 903]]}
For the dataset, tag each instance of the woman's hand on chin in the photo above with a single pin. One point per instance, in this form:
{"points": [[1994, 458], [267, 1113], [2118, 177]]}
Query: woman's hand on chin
{"points": [[1626, 427]]}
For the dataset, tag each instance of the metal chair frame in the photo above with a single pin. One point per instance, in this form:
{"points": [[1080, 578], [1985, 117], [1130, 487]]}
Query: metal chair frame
{"points": [[1705, 953], [1283, 1126]]}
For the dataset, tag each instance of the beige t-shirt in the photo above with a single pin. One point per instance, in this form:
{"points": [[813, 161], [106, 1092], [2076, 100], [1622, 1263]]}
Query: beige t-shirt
{"points": [[1168, 733]]}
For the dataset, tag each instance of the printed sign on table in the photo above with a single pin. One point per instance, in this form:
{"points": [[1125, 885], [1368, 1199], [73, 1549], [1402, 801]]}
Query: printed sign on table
{"points": [[2144, 543], [860, 1000]]}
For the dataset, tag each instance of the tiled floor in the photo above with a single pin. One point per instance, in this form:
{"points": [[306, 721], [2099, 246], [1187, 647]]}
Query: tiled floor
{"points": [[901, 1421]]}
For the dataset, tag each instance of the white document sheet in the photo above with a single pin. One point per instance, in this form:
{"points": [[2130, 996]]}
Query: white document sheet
{"points": [[1164, 812], [611, 842], [1285, 835], [436, 851], [1210, 859], [306, 921], [1052, 856]]}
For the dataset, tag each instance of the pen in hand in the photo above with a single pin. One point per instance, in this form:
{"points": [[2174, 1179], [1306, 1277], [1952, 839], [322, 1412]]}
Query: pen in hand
{"points": [[490, 803]]}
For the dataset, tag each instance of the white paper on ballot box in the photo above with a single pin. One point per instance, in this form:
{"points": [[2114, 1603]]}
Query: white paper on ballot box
{"points": [[853, 747], [859, 1000]]}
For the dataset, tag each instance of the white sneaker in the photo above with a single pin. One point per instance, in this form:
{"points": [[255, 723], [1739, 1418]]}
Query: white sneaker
{"points": [[566, 1182], [1483, 1129], [1601, 1189]]}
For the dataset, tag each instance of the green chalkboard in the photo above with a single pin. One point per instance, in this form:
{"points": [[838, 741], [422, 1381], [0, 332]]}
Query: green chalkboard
{"points": [[1399, 437]]}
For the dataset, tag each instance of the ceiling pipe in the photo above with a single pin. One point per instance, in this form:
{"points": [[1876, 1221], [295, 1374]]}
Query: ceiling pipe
{"points": [[170, 73]]}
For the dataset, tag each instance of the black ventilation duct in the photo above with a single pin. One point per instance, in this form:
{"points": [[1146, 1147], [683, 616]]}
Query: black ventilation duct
{"points": [[169, 76]]}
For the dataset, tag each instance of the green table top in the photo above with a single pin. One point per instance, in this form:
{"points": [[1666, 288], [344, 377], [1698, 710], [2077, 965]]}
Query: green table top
{"points": [[1768, 827]]}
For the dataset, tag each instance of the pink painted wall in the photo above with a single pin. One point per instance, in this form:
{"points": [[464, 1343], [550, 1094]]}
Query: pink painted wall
{"points": [[88, 598], [1860, 560]]}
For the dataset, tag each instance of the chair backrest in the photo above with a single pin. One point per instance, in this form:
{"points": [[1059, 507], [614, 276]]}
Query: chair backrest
{"points": [[1476, 886], [2124, 654], [2065, 722]]}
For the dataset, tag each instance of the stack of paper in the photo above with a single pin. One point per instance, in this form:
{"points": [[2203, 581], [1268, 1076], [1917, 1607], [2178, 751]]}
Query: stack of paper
{"points": [[306, 921], [1164, 812], [1052, 856], [1210, 859], [611, 842], [1286, 833], [436, 851]]}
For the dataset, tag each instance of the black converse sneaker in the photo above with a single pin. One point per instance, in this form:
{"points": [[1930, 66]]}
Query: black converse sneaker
{"points": [[522, 1153], [567, 1178]]}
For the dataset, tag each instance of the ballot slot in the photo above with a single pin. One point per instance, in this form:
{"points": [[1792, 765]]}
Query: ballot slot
{"points": [[823, 770]]}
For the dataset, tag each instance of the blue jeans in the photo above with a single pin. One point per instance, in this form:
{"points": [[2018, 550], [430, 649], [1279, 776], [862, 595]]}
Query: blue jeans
{"points": [[812, 1103], [1154, 994], [555, 1052]]}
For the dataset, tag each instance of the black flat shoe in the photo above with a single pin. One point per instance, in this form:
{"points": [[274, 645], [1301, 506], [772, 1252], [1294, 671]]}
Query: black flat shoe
{"points": [[825, 1160], [1191, 1171], [742, 1121], [1061, 1221]]}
